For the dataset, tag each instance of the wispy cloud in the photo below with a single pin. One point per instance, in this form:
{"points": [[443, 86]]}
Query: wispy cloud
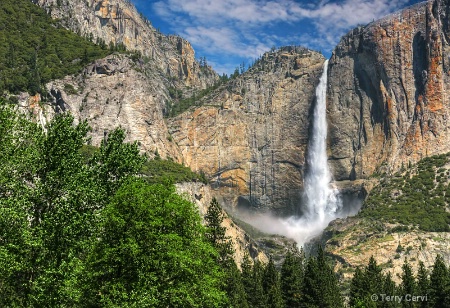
{"points": [[247, 28]]}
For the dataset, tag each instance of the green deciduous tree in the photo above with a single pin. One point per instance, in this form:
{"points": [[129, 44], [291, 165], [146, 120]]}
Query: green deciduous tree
{"points": [[151, 251]]}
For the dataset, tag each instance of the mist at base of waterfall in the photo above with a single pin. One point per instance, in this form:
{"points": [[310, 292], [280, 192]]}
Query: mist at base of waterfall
{"points": [[299, 228]]}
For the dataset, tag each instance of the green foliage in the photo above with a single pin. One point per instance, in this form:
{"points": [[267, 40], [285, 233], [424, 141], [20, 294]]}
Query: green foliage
{"points": [[179, 104], [115, 161], [34, 49], [234, 287], [368, 282], [292, 278], [78, 228], [423, 283], [158, 171], [69, 89], [215, 232], [440, 284], [271, 286], [408, 285], [420, 197], [151, 252], [87, 152], [320, 284], [430, 292], [256, 297]]}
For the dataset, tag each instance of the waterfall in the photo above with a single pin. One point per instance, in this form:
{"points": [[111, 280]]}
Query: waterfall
{"points": [[322, 201]]}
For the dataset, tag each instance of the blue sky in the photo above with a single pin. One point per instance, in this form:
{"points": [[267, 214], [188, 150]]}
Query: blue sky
{"points": [[230, 32]]}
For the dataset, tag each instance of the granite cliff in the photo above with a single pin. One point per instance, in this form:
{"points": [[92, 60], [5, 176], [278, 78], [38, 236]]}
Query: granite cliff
{"points": [[250, 135], [387, 104], [118, 22], [388, 107], [388, 101], [131, 91]]}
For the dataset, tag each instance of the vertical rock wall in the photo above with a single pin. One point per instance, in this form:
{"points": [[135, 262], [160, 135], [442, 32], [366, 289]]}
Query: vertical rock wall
{"points": [[388, 92], [250, 137]]}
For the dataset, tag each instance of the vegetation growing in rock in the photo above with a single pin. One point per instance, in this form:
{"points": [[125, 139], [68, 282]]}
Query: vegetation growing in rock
{"points": [[179, 104], [415, 196], [35, 49]]}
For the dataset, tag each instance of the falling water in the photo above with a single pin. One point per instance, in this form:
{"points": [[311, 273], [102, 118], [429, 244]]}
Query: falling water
{"points": [[322, 200]]}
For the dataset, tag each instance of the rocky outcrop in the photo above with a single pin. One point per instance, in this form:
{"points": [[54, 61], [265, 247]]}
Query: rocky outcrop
{"points": [[118, 22], [117, 92], [243, 245], [352, 241], [388, 94], [250, 136]]}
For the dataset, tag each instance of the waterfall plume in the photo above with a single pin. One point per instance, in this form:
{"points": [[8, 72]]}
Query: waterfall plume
{"points": [[322, 200]]}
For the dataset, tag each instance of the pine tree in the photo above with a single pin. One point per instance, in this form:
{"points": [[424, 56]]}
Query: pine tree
{"points": [[366, 283], [439, 284], [408, 285], [235, 287], [292, 278], [252, 277], [358, 293], [215, 233], [247, 278], [423, 284], [271, 286], [389, 288], [320, 284]]}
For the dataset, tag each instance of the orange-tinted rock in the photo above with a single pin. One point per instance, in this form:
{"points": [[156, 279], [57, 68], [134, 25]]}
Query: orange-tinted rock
{"points": [[388, 99], [250, 137]]}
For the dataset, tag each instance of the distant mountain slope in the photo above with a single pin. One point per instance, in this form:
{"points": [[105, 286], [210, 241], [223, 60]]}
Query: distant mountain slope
{"points": [[35, 49], [118, 22]]}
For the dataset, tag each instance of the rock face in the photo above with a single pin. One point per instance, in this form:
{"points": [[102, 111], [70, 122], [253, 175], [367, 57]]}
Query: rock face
{"points": [[117, 91], [201, 195], [387, 100], [118, 22], [127, 91], [388, 95], [251, 135], [351, 242]]}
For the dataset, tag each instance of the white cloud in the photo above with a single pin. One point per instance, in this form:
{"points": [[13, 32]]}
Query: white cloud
{"points": [[239, 27]]}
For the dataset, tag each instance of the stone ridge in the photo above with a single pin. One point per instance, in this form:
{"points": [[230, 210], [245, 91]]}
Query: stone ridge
{"points": [[118, 21], [388, 100], [114, 92], [250, 135], [351, 242]]}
